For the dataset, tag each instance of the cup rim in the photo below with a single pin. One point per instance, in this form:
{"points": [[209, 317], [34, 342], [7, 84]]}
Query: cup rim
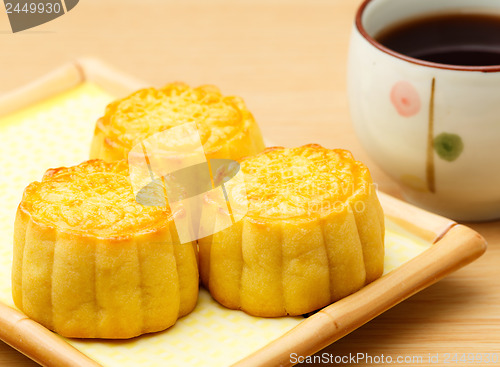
{"points": [[361, 29]]}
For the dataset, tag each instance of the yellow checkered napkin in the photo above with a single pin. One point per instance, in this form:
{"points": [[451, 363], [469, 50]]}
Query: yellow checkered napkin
{"points": [[57, 132]]}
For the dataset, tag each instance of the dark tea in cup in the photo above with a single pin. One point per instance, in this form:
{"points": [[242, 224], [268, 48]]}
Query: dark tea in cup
{"points": [[465, 39], [424, 93]]}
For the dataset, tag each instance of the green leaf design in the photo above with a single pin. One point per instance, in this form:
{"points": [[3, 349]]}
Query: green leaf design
{"points": [[448, 146]]}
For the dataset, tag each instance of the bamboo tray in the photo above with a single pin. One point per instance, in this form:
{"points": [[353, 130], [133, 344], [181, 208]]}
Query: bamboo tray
{"points": [[49, 123]]}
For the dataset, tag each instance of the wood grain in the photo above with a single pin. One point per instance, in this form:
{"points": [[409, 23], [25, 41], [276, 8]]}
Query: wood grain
{"points": [[288, 60]]}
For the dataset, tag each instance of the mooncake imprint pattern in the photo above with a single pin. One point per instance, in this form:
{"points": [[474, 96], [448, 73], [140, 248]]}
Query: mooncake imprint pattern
{"points": [[90, 262], [210, 325], [314, 233], [226, 127]]}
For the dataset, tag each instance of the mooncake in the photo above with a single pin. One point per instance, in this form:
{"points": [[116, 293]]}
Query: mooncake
{"points": [[313, 234], [90, 262], [227, 128]]}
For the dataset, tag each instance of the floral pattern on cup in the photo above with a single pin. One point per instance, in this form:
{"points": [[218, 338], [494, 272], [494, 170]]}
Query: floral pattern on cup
{"points": [[448, 146], [405, 99]]}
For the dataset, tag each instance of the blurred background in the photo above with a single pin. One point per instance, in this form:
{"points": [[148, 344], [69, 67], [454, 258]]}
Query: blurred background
{"points": [[286, 53], [287, 59]]}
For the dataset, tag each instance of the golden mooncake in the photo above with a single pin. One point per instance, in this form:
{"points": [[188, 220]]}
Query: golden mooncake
{"points": [[90, 262], [313, 234], [227, 128]]}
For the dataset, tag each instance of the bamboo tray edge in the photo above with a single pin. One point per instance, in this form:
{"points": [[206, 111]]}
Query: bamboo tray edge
{"points": [[68, 76], [454, 246]]}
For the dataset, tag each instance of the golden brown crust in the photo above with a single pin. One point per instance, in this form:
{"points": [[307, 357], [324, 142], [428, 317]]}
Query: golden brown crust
{"points": [[294, 252], [90, 262], [221, 120], [94, 198], [301, 182]]}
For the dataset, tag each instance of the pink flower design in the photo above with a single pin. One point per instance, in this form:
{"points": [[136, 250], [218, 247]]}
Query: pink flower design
{"points": [[405, 99]]}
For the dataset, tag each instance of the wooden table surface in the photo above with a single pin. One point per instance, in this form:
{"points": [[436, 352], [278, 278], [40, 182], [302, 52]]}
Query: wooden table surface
{"points": [[287, 58]]}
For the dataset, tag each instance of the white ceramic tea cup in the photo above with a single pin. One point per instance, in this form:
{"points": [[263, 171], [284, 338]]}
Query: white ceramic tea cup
{"points": [[434, 128]]}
